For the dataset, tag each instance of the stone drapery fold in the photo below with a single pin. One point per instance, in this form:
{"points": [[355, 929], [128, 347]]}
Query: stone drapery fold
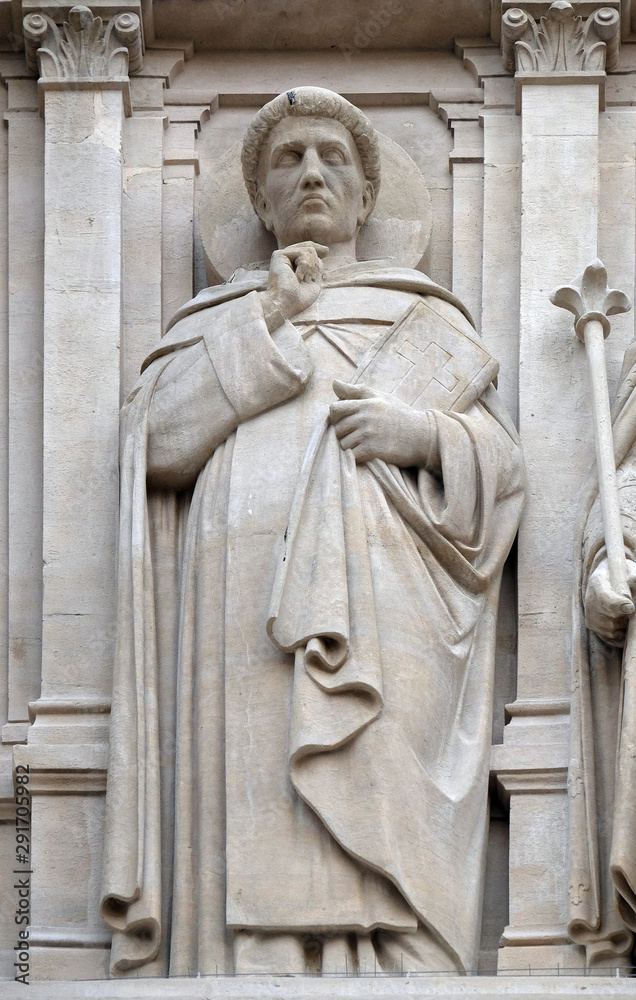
{"points": [[391, 623], [327, 608], [602, 776]]}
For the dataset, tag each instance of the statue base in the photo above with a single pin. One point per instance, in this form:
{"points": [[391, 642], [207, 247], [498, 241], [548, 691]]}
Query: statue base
{"points": [[521, 985]]}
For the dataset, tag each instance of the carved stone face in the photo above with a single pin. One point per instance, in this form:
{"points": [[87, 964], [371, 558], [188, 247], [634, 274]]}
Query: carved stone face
{"points": [[311, 183]]}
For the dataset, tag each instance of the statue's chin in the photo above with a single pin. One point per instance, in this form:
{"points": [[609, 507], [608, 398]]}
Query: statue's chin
{"points": [[319, 229]]}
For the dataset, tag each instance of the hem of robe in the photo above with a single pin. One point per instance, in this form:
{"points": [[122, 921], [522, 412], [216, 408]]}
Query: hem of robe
{"points": [[328, 928]]}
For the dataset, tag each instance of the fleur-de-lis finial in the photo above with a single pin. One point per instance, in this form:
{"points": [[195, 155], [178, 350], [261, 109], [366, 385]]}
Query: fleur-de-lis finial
{"points": [[588, 297], [591, 301]]}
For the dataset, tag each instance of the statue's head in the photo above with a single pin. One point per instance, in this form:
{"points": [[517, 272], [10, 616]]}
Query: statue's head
{"points": [[311, 166]]}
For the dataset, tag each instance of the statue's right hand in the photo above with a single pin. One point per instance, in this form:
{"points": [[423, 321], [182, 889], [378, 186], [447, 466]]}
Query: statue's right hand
{"points": [[606, 612], [295, 277]]}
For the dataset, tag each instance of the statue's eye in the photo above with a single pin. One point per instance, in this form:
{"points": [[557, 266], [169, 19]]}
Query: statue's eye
{"points": [[334, 157], [289, 158]]}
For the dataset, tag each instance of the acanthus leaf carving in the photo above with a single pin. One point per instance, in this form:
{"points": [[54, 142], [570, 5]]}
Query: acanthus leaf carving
{"points": [[84, 47], [560, 41]]}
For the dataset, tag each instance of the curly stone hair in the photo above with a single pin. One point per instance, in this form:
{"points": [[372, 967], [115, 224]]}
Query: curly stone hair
{"points": [[314, 102]]}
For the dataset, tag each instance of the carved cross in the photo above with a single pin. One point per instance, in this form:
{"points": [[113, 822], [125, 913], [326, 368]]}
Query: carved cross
{"points": [[426, 366]]}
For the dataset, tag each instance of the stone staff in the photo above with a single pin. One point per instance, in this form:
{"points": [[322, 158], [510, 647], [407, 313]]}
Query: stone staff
{"points": [[591, 301]]}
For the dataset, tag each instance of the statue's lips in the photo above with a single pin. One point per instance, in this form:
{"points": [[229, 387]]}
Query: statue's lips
{"points": [[315, 199]]}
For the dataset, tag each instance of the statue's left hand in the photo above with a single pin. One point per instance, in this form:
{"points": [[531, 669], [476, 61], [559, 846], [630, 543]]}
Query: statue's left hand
{"points": [[606, 612], [374, 426]]}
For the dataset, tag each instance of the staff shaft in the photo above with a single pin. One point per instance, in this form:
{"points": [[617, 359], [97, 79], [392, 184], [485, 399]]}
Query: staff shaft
{"points": [[593, 337]]}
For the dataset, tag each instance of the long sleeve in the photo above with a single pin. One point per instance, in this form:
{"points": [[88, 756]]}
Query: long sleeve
{"points": [[232, 371], [594, 540]]}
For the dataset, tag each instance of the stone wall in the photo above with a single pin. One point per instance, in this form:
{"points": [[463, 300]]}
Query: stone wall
{"points": [[531, 176]]}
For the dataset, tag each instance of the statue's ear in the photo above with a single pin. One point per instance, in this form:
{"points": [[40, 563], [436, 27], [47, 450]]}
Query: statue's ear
{"points": [[368, 201], [262, 210]]}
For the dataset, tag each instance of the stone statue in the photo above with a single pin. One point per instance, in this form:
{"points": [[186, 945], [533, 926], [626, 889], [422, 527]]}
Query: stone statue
{"points": [[319, 490], [603, 766]]}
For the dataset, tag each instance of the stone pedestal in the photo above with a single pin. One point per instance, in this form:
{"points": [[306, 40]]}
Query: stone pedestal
{"points": [[521, 986]]}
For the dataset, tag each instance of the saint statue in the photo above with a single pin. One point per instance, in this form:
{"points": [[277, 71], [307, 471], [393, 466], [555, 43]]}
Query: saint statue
{"points": [[603, 765], [319, 489]]}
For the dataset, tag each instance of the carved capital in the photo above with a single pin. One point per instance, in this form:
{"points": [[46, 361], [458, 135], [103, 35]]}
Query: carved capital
{"points": [[84, 49], [561, 41]]}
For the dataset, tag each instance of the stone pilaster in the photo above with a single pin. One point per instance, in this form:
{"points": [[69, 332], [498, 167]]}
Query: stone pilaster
{"points": [[559, 57], [84, 93], [467, 167], [558, 45], [25, 233]]}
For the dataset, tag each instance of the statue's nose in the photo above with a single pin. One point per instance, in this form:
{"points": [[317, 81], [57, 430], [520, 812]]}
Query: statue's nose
{"points": [[312, 173]]}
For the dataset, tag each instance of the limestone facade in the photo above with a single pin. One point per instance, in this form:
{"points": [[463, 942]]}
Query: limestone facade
{"points": [[119, 157]]}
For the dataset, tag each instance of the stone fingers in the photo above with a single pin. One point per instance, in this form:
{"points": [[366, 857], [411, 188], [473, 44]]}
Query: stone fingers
{"points": [[308, 266], [345, 408]]}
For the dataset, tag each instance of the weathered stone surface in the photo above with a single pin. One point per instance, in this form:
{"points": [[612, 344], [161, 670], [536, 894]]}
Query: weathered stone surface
{"points": [[305, 389], [393, 24], [115, 189], [522, 987]]}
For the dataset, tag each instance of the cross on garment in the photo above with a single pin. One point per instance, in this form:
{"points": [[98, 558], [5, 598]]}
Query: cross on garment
{"points": [[426, 366]]}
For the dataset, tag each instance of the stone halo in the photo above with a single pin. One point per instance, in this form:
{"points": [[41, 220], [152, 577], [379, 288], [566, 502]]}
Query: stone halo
{"points": [[232, 236]]}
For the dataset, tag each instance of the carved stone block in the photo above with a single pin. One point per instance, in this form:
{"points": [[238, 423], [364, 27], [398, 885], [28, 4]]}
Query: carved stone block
{"points": [[561, 40], [85, 48]]}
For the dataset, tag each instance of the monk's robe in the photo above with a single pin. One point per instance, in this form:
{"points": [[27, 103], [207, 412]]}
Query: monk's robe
{"points": [[305, 661], [602, 782]]}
